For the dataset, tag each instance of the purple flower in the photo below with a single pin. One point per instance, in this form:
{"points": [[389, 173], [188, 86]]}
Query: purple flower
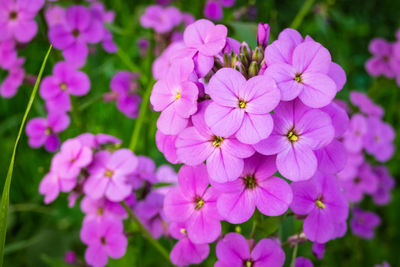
{"points": [[166, 145], [52, 184], [8, 54], [365, 104], [224, 154], [379, 139], [234, 250], [73, 156], [101, 209], [104, 239], [384, 264], [263, 34], [124, 87], [350, 169], [14, 79], [144, 172], [72, 36], [379, 64], [17, 19], [161, 19], [303, 262], [176, 97], [363, 223], [149, 213], [241, 107], [321, 200], [70, 257], [109, 175], [65, 81], [256, 187], [353, 138], [43, 131], [385, 184], [365, 182], [166, 174], [54, 15], [213, 10], [194, 203], [318, 250], [306, 75], [185, 252], [298, 131]]}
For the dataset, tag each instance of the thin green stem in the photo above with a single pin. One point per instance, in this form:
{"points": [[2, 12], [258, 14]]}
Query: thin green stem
{"points": [[126, 60], [302, 13], [146, 233], [5, 198], [294, 253]]}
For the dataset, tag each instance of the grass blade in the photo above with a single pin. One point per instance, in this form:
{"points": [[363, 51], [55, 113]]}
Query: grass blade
{"points": [[5, 198]]}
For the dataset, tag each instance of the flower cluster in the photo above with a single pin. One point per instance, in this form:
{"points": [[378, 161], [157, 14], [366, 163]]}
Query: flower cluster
{"points": [[253, 116], [17, 25], [94, 167], [386, 58]]}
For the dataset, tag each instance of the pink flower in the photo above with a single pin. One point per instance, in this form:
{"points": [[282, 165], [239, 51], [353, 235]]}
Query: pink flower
{"points": [[241, 107], [101, 209], [303, 262], [255, 188], [298, 131], [104, 239], [386, 183], [224, 154], [363, 223], [17, 19], [380, 63], [166, 145], [213, 10], [72, 36], [14, 79], [176, 97], [73, 156], [144, 172], [52, 184], [324, 204], [353, 138], [185, 252], [109, 175], [161, 19], [65, 81], [8, 54], [379, 138], [43, 131], [195, 204], [234, 250], [305, 75], [365, 104]]}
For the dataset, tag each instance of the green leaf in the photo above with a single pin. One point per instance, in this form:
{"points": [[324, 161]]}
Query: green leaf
{"points": [[269, 225], [5, 198]]}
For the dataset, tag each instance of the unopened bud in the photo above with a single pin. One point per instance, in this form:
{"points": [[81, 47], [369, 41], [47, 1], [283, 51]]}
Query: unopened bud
{"points": [[258, 54], [235, 58], [239, 67], [245, 50], [253, 69], [262, 34], [243, 59]]}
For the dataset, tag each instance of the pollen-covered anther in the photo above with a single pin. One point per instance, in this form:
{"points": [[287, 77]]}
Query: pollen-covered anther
{"points": [[217, 141], [48, 131], [292, 136], [183, 231], [242, 104], [248, 263], [178, 95], [199, 203], [250, 181], [100, 211], [319, 204], [109, 173], [63, 86], [13, 15], [298, 78]]}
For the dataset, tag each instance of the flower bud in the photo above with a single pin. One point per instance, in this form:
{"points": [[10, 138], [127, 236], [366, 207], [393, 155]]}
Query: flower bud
{"points": [[240, 67], [258, 54], [245, 50], [253, 69], [243, 59], [262, 34], [235, 58]]}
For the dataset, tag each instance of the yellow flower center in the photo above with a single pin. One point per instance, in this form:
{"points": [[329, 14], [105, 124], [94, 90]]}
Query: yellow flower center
{"points": [[242, 104], [217, 141], [298, 78], [250, 182], [109, 173], [178, 95], [183, 231], [248, 263], [48, 131], [63, 86], [100, 211], [199, 203], [319, 203], [292, 136]]}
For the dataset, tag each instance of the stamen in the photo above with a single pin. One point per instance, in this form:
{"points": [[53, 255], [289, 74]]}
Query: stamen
{"points": [[63, 86], [109, 173], [100, 211], [199, 203], [76, 33], [13, 15], [248, 263], [319, 203], [103, 240], [183, 231], [178, 94], [250, 182], [298, 78], [242, 103], [292, 136], [217, 141], [48, 131]]}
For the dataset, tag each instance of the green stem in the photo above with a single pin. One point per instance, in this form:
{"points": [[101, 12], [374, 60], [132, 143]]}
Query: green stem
{"points": [[301, 14], [5, 198], [294, 253], [146, 233]]}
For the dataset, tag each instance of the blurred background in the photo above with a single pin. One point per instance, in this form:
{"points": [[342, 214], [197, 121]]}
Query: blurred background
{"points": [[39, 235]]}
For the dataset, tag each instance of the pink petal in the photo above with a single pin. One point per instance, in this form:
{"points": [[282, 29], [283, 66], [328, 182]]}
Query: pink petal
{"points": [[96, 255], [192, 147], [237, 207], [311, 57], [255, 128], [304, 195], [268, 252], [284, 75], [193, 181], [261, 93], [223, 121], [177, 207], [223, 167], [318, 226], [319, 90], [233, 250], [116, 245], [170, 122]]}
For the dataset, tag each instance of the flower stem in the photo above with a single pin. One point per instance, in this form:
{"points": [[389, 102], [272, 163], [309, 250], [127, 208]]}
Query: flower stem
{"points": [[294, 253], [301, 14], [146, 233]]}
